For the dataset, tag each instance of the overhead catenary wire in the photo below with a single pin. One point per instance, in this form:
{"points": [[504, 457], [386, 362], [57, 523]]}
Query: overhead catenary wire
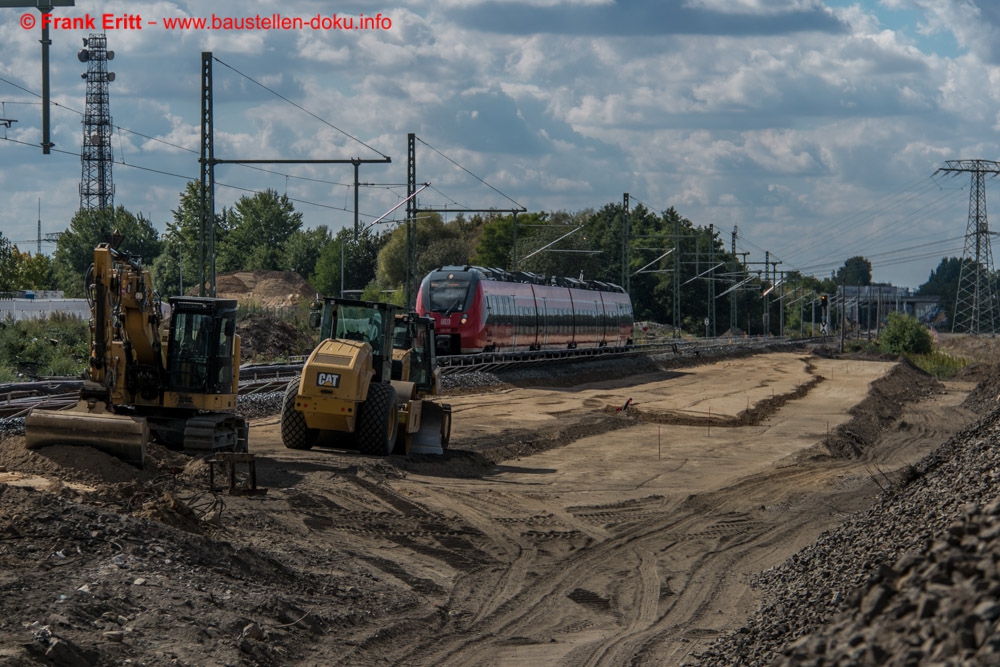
{"points": [[299, 107], [478, 178], [891, 211], [192, 178], [179, 147]]}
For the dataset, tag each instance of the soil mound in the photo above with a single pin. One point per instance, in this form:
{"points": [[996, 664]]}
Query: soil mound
{"points": [[270, 289]]}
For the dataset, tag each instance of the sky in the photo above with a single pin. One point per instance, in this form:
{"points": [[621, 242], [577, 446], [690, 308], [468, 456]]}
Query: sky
{"points": [[816, 129]]}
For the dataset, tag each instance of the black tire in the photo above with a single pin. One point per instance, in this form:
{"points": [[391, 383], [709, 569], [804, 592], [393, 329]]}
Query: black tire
{"points": [[377, 420], [445, 425], [294, 432]]}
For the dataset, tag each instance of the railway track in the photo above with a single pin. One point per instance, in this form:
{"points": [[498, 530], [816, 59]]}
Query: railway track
{"points": [[17, 399]]}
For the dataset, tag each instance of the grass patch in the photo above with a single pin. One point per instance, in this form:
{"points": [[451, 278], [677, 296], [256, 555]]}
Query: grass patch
{"points": [[939, 364], [56, 345]]}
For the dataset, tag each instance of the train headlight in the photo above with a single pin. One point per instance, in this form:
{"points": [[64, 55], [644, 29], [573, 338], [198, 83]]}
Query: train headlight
{"points": [[465, 318]]}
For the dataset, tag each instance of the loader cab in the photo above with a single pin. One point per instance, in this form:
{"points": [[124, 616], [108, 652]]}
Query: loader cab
{"points": [[362, 321], [200, 345], [415, 335]]}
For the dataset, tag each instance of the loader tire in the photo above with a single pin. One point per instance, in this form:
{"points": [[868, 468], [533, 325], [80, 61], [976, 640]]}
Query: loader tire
{"points": [[445, 425], [294, 432], [377, 421]]}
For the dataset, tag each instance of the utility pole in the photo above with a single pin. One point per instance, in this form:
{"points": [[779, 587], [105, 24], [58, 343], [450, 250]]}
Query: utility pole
{"points": [[711, 277], [677, 276], [843, 313], [801, 300], [732, 299], [44, 7], [411, 218], [781, 301], [625, 242], [208, 161]]}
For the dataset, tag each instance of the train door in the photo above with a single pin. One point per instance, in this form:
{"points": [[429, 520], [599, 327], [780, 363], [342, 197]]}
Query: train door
{"points": [[543, 322], [624, 324], [515, 323], [598, 317]]}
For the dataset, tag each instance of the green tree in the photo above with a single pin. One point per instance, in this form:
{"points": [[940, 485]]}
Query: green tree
{"points": [[903, 334], [75, 249], [558, 245], [360, 259], [180, 262], [257, 229], [856, 271], [495, 243], [35, 272], [437, 244], [303, 248], [9, 265], [943, 283]]}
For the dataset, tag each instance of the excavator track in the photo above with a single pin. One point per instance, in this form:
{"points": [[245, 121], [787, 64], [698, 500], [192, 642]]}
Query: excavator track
{"points": [[216, 433]]}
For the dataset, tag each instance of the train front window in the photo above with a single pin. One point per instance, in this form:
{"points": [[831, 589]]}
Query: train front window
{"points": [[448, 296]]}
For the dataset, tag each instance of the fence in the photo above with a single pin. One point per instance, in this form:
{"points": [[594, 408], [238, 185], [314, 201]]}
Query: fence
{"points": [[33, 309]]}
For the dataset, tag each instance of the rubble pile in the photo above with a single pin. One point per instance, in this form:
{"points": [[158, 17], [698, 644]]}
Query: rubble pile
{"points": [[913, 580]]}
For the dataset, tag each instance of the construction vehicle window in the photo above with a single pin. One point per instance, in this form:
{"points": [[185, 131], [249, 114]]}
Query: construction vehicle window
{"points": [[361, 324], [191, 333], [399, 336], [225, 347]]}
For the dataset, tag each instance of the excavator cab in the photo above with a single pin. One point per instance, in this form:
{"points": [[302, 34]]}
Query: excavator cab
{"points": [[200, 345]]}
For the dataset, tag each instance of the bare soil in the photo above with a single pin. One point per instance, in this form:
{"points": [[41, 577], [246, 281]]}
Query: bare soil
{"points": [[561, 527], [270, 289]]}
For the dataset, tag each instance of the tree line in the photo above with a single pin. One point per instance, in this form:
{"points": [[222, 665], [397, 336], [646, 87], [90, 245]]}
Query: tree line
{"points": [[669, 263]]}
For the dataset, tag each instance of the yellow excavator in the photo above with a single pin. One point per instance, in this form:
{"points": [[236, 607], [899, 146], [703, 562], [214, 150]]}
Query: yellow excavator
{"points": [[360, 391], [163, 371]]}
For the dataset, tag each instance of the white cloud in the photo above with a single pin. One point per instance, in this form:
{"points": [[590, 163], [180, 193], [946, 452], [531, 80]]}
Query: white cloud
{"points": [[776, 132]]}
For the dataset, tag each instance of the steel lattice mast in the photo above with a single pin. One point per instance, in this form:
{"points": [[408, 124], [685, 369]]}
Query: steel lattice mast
{"points": [[97, 191], [975, 301]]}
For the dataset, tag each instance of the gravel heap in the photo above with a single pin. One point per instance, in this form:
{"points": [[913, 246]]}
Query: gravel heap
{"points": [[914, 580]]}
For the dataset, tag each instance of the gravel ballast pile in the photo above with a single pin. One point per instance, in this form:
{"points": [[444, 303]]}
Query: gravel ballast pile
{"points": [[914, 580]]}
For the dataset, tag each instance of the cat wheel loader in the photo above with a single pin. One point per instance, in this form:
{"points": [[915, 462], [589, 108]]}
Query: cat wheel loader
{"points": [[347, 391], [163, 371]]}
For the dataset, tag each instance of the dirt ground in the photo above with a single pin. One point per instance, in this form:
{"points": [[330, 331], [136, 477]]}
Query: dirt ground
{"points": [[561, 528]]}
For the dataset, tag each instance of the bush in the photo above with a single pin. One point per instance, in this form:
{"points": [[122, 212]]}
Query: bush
{"points": [[57, 345], [903, 334]]}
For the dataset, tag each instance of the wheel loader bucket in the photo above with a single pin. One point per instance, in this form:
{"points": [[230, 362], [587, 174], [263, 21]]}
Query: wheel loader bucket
{"points": [[121, 436], [435, 429]]}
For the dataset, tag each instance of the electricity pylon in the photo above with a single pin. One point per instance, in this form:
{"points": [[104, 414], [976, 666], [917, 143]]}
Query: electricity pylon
{"points": [[975, 301]]}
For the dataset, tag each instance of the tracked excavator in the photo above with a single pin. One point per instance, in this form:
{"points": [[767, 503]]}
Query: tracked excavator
{"points": [[360, 391], [163, 371]]}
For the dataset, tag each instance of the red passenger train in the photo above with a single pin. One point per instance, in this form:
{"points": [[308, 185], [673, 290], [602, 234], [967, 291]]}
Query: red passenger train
{"points": [[490, 310]]}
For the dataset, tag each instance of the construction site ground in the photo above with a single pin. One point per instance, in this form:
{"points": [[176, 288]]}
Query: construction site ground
{"points": [[616, 521]]}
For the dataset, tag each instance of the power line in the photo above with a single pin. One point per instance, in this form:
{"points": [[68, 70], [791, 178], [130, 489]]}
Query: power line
{"points": [[120, 129], [192, 178], [470, 173], [300, 107]]}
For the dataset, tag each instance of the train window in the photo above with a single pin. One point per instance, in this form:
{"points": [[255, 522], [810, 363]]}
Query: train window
{"points": [[448, 296]]}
